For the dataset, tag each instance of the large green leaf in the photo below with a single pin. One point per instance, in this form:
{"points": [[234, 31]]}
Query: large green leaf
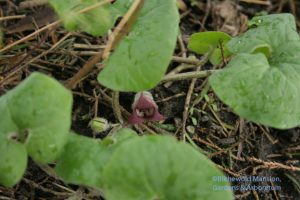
{"points": [[262, 92], [264, 87], [35, 120], [159, 167], [142, 57], [83, 158]]}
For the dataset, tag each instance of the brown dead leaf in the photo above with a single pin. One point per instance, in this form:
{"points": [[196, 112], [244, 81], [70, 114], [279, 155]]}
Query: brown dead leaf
{"points": [[227, 18]]}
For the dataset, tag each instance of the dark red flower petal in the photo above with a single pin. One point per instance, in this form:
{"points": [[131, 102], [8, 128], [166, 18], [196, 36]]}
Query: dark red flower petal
{"points": [[142, 109]]}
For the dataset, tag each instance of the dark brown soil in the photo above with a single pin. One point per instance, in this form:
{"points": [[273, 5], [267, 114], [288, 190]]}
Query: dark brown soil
{"points": [[237, 146]]}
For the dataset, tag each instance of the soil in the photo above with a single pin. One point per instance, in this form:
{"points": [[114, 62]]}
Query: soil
{"points": [[237, 146]]}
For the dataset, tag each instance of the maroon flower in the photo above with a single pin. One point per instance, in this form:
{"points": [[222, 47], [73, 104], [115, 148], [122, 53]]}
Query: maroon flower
{"points": [[144, 109]]}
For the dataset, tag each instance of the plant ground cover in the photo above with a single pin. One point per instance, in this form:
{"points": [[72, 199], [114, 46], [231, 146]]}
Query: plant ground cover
{"points": [[237, 146]]}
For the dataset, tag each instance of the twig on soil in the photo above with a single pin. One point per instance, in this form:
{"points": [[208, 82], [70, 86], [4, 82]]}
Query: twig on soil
{"points": [[187, 63], [271, 165], [171, 97], [255, 195], [228, 171], [189, 95], [181, 46], [198, 139], [274, 191], [229, 148], [12, 17], [207, 12], [17, 69], [123, 27], [260, 2], [219, 121], [187, 105], [88, 46], [268, 135], [96, 103], [116, 106], [37, 186], [53, 24], [195, 145]]}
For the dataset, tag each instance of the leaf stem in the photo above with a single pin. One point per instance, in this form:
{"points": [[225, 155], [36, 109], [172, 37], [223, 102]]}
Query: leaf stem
{"points": [[188, 75]]}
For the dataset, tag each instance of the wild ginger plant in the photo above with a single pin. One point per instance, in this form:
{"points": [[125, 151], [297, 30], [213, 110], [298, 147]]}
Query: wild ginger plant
{"points": [[35, 122], [261, 81]]}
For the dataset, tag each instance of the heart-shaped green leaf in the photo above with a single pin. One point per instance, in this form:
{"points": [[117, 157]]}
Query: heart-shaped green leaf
{"points": [[259, 88], [142, 57], [35, 120], [262, 91], [159, 167], [83, 158], [215, 41]]}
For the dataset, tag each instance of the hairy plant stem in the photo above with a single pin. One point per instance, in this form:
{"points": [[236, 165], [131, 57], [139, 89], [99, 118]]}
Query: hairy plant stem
{"points": [[188, 75]]}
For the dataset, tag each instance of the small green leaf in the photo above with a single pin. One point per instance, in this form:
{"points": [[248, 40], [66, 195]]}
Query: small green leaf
{"points": [[140, 60], [95, 22], [194, 121], [159, 167], [264, 88], [83, 158], [205, 42]]}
